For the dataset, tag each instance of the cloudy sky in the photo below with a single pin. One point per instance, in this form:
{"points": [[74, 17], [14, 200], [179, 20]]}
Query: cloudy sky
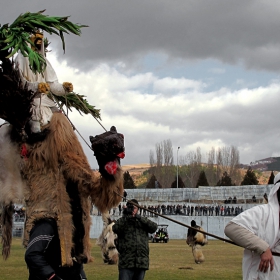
{"points": [[200, 73]]}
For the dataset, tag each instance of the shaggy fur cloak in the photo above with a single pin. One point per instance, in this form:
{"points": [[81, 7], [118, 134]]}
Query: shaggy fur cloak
{"points": [[61, 185]]}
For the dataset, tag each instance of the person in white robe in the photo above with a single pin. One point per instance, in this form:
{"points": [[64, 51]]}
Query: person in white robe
{"points": [[257, 231], [41, 84]]}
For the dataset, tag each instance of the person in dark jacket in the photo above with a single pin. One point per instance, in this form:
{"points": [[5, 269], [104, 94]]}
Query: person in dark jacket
{"points": [[43, 255], [133, 242]]}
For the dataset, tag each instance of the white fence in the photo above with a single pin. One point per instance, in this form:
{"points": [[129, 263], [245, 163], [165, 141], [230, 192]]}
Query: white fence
{"points": [[242, 193], [212, 224]]}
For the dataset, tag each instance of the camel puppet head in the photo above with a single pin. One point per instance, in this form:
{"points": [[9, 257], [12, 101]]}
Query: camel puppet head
{"points": [[108, 149]]}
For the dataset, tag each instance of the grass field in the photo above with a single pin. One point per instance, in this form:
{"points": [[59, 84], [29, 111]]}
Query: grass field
{"points": [[169, 261]]}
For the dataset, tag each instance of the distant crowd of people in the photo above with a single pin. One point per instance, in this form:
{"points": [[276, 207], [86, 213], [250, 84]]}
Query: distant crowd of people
{"points": [[233, 200], [182, 209], [192, 210], [187, 210]]}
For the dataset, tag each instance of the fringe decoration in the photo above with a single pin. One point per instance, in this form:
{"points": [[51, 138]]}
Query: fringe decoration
{"points": [[7, 227]]}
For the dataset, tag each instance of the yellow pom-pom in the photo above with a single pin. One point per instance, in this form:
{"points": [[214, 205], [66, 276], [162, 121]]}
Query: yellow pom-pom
{"points": [[68, 86], [43, 88]]}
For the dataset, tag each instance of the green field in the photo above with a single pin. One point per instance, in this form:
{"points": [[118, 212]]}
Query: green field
{"points": [[172, 260]]}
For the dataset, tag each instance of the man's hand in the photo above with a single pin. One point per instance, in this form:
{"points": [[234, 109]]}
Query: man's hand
{"points": [[266, 261]]}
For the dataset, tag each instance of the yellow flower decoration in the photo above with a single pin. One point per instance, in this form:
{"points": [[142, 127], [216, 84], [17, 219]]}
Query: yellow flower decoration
{"points": [[43, 88], [68, 86]]}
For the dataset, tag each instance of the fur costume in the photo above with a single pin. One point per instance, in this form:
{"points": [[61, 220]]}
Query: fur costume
{"points": [[198, 254], [196, 240], [48, 171], [107, 240], [61, 185]]}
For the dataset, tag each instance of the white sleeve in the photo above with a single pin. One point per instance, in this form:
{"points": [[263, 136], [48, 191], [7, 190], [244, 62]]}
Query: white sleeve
{"points": [[52, 80], [245, 238]]}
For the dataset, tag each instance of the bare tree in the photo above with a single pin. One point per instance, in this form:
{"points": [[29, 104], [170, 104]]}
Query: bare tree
{"points": [[163, 167], [168, 152], [224, 159], [152, 159], [228, 161], [193, 160], [235, 173], [159, 154], [210, 170]]}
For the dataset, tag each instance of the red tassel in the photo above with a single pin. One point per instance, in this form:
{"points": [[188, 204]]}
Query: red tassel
{"points": [[23, 151], [111, 167], [121, 155]]}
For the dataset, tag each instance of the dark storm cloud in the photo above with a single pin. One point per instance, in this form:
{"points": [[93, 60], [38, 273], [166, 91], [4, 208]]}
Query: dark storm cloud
{"points": [[149, 108], [229, 31]]}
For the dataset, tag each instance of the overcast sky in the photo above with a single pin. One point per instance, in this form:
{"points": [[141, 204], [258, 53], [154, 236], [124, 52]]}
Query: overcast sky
{"points": [[200, 73]]}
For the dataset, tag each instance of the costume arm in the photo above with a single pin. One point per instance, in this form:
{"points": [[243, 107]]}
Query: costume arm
{"points": [[245, 238], [40, 237], [55, 87], [60, 89]]}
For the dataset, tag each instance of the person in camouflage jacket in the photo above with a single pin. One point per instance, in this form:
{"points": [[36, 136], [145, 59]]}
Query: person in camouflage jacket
{"points": [[133, 243]]}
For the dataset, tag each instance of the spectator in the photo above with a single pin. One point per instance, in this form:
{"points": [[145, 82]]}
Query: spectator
{"points": [[188, 210], [133, 252], [144, 211], [196, 210], [232, 211], [185, 209], [265, 199], [124, 195], [217, 210], [222, 210]]}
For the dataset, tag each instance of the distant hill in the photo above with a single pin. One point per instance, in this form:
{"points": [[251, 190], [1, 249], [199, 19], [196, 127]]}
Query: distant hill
{"points": [[266, 164], [136, 168]]}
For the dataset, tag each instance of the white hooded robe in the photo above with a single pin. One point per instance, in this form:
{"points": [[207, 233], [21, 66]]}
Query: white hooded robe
{"points": [[263, 221]]}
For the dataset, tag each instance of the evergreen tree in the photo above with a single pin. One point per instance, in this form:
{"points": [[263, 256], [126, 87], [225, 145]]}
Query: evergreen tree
{"points": [[180, 183], [153, 183], [250, 178], [202, 180], [271, 178], [225, 180], [128, 182]]}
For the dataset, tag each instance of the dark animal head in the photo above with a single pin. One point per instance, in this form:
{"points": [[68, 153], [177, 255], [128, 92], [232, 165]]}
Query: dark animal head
{"points": [[108, 149]]}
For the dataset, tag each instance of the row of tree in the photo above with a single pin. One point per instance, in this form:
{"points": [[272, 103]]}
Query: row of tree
{"points": [[220, 169], [249, 178], [219, 161]]}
